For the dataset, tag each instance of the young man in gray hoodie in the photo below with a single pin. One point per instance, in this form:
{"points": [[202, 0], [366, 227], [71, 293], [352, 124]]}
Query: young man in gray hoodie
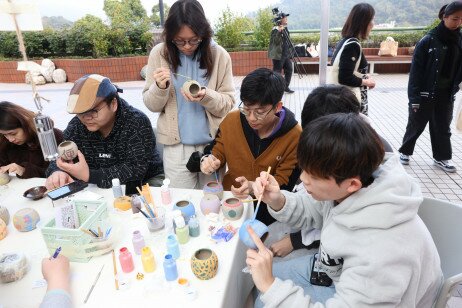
{"points": [[375, 251]]}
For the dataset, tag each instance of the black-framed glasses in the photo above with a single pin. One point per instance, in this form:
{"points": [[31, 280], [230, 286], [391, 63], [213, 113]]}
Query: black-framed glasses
{"points": [[191, 42], [90, 114], [258, 115]]}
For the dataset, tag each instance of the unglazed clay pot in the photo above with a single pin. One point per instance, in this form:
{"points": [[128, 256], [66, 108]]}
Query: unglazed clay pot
{"points": [[4, 215], [26, 219], [4, 178], [260, 229], [3, 230], [213, 188], [233, 208], [187, 209], [204, 264], [67, 150], [191, 87], [210, 204]]}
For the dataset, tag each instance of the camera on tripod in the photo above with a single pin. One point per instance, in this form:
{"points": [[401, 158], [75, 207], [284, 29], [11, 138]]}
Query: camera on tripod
{"points": [[278, 16]]}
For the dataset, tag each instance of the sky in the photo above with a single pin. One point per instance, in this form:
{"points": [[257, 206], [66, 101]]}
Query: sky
{"points": [[73, 10]]}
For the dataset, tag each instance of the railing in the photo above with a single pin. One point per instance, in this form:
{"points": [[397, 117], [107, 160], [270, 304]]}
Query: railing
{"points": [[338, 30]]}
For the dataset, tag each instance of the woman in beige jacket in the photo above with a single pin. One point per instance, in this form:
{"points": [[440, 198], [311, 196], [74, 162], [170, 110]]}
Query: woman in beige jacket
{"points": [[186, 123]]}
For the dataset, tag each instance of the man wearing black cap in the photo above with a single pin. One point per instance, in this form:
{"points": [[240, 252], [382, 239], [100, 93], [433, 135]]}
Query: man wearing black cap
{"points": [[279, 50], [115, 140]]}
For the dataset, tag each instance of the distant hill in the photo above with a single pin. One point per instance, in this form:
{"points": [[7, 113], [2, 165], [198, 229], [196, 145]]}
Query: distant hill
{"points": [[306, 14], [56, 22]]}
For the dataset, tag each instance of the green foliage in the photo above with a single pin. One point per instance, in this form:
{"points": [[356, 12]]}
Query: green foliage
{"points": [[9, 48], [155, 17], [89, 35], [230, 28], [263, 26], [56, 22]]}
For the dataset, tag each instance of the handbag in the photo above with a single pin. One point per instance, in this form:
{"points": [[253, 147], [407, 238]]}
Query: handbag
{"points": [[389, 47], [332, 70]]}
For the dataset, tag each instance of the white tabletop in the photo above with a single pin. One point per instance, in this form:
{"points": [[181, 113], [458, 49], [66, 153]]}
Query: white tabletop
{"points": [[229, 288]]}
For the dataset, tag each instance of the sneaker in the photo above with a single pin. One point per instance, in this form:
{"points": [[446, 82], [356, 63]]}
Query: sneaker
{"points": [[404, 159], [288, 90], [445, 165]]}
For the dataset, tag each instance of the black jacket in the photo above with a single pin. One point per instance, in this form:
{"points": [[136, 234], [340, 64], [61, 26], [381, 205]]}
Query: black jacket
{"points": [[347, 63], [426, 63]]}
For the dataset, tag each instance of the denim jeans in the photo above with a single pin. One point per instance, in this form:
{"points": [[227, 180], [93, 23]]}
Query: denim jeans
{"points": [[298, 270]]}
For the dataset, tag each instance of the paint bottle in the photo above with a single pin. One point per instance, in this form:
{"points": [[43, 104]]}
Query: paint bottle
{"points": [[147, 258], [116, 188], [126, 260], [182, 230], [169, 223], [165, 192], [138, 242], [175, 213], [194, 227], [172, 246], [170, 270]]}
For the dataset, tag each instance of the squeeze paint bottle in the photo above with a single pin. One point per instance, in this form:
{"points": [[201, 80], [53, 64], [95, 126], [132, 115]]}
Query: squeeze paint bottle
{"points": [[194, 227], [170, 270], [169, 223], [147, 258], [116, 188], [126, 260], [172, 246], [182, 230], [176, 213], [138, 242], [165, 192]]}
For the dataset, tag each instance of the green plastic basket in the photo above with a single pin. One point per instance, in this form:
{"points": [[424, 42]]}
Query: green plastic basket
{"points": [[75, 244]]}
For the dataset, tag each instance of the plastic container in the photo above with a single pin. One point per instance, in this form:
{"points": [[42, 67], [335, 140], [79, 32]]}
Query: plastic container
{"points": [[170, 269], [165, 192], [194, 227], [158, 222], [116, 188], [147, 258], [182, 230], [172, 246], [138, 242], [126, 260]]}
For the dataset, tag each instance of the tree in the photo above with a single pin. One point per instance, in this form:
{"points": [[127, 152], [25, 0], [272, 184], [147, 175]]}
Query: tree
{"points": [[230, 27], [263, 27], [89, 34], [155, 17]]}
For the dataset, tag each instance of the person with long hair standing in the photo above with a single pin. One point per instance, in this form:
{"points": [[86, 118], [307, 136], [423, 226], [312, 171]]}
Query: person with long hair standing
{"points": [[20, 150], [187, 123], [433, 82], [352, 64]]}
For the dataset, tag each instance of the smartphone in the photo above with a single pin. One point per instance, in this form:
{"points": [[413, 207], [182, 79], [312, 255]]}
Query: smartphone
{"points": [[66, 190]]}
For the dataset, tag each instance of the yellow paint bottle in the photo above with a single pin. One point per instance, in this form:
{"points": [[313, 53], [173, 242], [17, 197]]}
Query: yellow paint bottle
{"points": [[147, 258]]}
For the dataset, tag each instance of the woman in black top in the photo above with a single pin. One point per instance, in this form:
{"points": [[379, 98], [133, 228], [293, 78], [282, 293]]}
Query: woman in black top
{"points": [[357, 27], [433, 82]]}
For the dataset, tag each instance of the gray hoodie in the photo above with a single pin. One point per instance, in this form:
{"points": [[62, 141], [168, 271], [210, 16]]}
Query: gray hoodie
{"points": [[375, 248]]}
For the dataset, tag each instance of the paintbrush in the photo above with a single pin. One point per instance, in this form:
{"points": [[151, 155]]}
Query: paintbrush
{"points": [[93, 285], [148, 189], [146, 204], [115, 270], [248, 200], [144, 214], [88, 232], [259, 199], [181, 75]]}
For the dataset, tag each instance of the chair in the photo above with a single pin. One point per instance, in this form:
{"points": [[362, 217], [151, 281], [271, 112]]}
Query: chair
{"points": [[443, 220]]}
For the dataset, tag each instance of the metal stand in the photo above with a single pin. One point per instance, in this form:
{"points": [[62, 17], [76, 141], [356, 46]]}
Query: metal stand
{"points": [[293, 53]]}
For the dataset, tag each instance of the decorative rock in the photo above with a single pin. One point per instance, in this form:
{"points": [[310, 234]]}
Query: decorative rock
{"points": [[143, 72], [26, 219], [59, 75], [3, 230], [67, 150], [4, 215], [36, 76], [47, 69], [13, 266], [204, 264], [4, 178]]}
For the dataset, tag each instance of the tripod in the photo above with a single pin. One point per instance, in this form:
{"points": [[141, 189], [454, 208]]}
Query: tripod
{"points": [[292, 52]]}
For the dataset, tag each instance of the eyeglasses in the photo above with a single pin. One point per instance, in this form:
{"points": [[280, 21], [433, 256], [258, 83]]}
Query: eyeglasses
{"points": [[258, 115], [191, 42], [90, 114]]}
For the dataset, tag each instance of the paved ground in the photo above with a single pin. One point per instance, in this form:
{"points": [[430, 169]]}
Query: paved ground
{"points": [[387, 108]]}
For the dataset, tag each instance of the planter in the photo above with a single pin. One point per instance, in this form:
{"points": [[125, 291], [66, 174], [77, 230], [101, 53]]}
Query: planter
{"points": [[214, 188], [191, 87], [4, 178], [4, 215], [233, 208], [204, 264], [67, 150], [210, 204], [260, 229], [187, 209], [26, 220]]}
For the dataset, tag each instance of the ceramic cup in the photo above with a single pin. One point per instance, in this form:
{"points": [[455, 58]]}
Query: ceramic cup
{"points": [[26, 219], [4, 178], [233, 208], [67, 150], [187, 209], [158, 222], [210, 204], [260, 229], [204, 264], [213, 188], [191, 87]]}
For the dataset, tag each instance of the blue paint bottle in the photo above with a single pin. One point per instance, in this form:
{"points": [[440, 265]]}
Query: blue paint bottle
{"points": [[172, 246], [170, 270]]}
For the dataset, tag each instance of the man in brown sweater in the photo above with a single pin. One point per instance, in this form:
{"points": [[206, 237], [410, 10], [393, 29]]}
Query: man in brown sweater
{"points": [[260, 134]]}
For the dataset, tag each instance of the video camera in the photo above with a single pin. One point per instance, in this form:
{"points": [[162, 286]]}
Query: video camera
{"points": [[278, 16]]}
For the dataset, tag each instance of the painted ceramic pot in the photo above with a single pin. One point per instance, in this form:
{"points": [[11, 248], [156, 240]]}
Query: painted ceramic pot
{"points": [[213, 188], [26, 219], [204, 264], [210, 204], [67, 150], [3, 230], [4, 215], [187, 209], [233, 208], [4, 178], [260, 229], [191, 87]]}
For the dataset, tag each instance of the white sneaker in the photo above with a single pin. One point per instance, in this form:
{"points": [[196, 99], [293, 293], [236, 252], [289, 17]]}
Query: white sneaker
{"points": [[445, 165], [404, 159]]}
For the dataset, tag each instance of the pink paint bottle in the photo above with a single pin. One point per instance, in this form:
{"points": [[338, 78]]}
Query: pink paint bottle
{"points": [[165, 192], [138, 242], [126, 260]]}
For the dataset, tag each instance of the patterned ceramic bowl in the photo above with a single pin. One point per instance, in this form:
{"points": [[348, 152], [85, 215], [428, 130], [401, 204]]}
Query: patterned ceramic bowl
{"points": [[204, 264]]}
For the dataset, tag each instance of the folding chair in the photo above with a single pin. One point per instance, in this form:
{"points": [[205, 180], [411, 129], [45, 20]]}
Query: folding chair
{"points": [[443, 220]]}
